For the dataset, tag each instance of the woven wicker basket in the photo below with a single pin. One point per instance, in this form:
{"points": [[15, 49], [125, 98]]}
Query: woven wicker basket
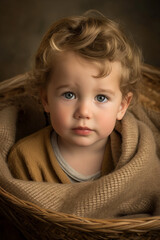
{"points": [[56, 225]]}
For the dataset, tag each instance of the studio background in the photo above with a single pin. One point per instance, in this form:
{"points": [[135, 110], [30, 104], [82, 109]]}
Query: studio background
{"points": [[23, 23]]}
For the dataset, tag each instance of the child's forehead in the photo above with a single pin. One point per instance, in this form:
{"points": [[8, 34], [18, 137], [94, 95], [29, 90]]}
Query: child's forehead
{"points": [[73, 70], [71, 62]]}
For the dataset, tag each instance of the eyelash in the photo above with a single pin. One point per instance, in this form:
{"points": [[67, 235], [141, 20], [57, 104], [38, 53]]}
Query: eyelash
{"points": [[74, 97]]}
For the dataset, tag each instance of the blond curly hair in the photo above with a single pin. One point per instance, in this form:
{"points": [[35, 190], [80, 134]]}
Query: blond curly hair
{"points": [[93, 37]]}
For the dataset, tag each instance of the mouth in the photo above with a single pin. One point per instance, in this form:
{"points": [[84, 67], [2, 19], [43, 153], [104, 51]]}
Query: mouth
{"points": [[82, 130]]}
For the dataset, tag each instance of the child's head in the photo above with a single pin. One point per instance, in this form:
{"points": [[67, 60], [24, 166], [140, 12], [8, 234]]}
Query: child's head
{"points": [[93, 37], [88, 72]]}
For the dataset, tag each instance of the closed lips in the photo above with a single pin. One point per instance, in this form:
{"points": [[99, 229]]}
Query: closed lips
{"points": [[82, 128]]}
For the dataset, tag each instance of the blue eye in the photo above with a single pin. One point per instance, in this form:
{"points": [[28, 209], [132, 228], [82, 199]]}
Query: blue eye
{"points": [[101, 98], [69, 95]]}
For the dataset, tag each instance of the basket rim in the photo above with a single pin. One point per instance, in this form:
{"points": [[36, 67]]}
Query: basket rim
{"points": [[65, 220]]}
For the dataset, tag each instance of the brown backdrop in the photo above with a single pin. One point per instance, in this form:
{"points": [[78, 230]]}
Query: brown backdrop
{"points": [[22, 24]]}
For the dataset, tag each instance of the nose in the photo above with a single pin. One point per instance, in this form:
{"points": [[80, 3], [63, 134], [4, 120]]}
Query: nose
{"points": [[83, 110]]}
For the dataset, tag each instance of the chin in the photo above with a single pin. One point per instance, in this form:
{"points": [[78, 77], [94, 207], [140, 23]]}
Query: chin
{"points": [[82, 143]]}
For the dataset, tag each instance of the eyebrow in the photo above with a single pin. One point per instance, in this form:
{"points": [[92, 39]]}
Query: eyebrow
{"points": [[63, 86], [101, 90], [106, 91]]}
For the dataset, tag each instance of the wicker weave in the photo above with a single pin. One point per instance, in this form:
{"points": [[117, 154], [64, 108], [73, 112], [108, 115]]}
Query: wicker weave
{"points": [[55, 225]]}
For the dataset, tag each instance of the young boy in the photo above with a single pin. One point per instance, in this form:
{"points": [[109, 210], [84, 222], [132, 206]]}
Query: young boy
{"points": [[86, 72]]}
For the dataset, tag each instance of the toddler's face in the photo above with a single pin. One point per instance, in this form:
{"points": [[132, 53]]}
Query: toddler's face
{"points": [[83, 109]]}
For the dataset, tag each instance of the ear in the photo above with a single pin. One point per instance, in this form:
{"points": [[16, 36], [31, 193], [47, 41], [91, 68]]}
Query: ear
{"points": [[124, 105], [44, 100]]}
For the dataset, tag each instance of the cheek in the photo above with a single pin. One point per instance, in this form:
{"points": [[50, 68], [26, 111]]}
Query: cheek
{"points": [[106, 122], [59, 117]]}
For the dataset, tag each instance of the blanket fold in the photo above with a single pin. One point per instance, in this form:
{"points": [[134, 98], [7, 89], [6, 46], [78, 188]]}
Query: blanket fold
{"points": [[131, 190]]}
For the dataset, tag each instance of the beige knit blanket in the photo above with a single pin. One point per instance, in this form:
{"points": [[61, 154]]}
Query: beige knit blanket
{"points": [[133, 189]]}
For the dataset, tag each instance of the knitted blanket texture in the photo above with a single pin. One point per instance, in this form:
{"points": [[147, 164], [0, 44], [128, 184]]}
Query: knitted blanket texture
{"points": [[132, 189]]}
